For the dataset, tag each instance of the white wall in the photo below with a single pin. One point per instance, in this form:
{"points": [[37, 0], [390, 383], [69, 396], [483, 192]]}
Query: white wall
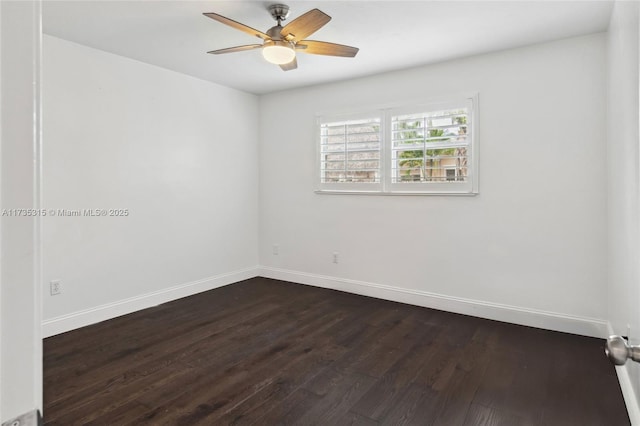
{"points": [[20, 339], [534, 239], [623, 179], [179, 153]]}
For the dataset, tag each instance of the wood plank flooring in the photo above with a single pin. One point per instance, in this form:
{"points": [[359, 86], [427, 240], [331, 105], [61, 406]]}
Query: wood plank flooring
{"points": [[267, 352]]}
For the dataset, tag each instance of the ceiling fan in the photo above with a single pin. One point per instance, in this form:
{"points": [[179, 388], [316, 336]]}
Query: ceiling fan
{"points": [[281, 43]]}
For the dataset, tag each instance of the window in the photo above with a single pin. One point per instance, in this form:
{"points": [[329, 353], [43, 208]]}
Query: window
{"points": [[452, 174], [350, 154], [421, 149], [351, 151]]}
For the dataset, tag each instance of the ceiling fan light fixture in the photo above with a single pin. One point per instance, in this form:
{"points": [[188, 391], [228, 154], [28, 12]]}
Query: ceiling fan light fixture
{"points": [[281, 43], [278, 52]]}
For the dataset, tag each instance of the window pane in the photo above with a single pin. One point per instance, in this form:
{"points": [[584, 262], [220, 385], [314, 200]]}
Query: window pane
{"points": [[350, 151], [430, 146]]}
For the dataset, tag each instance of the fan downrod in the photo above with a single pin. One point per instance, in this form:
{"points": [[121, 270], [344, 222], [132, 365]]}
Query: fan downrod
{"points": [[279, 12]]}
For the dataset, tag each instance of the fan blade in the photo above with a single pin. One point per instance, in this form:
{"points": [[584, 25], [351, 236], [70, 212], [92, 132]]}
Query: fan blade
{"points": [[305, 25], [237, 25], [325, 48], [236, 49], [290, 66]]}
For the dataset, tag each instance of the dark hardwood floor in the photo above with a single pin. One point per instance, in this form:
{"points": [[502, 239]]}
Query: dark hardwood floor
{"points": [[267, 352]]}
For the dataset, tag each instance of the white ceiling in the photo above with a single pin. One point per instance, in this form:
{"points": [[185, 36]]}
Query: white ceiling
{"points": [[390, 34]]}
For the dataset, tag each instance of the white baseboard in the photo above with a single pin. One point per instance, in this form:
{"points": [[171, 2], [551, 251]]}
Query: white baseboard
{"points": [[100, 313], [524, 316], [513, 314], [628, 392]]}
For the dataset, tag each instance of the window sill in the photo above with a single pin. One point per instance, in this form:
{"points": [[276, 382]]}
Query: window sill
{"points": [[411, 193]]}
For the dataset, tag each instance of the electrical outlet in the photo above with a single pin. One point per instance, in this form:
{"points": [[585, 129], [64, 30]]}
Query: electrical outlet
{"points": [[275, 250], [335, 257], [55, 287]]}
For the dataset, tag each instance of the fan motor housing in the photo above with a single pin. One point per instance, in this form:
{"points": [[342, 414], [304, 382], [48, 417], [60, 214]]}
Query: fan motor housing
{"points": [[274, 32]]}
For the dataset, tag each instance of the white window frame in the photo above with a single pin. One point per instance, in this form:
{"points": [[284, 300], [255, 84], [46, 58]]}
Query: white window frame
{"points": [[386, 186]]}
